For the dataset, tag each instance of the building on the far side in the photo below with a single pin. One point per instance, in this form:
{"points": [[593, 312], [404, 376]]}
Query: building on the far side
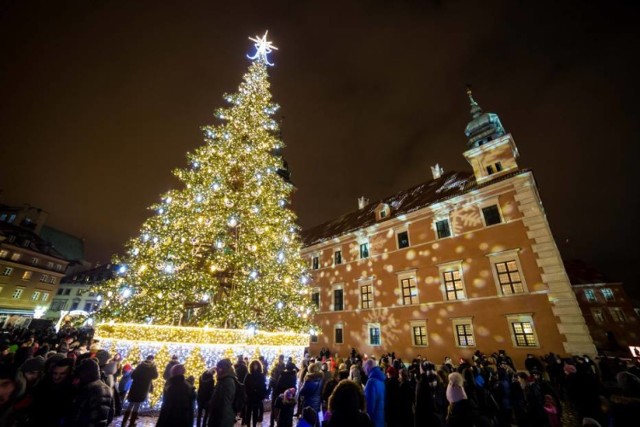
{"points": [[609, 312], [460, 263]]}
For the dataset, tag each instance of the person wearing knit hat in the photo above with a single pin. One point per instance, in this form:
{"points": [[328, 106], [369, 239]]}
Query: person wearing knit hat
{"points": [[178, 400], [283, 408], [93, 403], [32, 368], [460, 408]]}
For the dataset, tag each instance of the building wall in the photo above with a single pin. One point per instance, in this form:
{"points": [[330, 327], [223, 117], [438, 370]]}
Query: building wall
{"points": [[473, 246], [601, 305]]}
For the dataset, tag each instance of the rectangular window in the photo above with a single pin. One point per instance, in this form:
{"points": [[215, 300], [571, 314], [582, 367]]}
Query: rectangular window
{"points": [[26, 275], [498, 166], [590, 295], [607, 294], [57, 305], [409, 291], [44, 278], [34, 261], [15, 257], [314, 338], [74, 306], [45, 296], [12, 218], [337, 257], [80, 292], [364, 250], [7, 271], [509, 277], [87, 306], [338, 299], [60, 291], [58, 267], [453, 286], [315, 261], [374, 334], [442, 228], [67, 291], [35, 296], [52, 280], [17, 293], [4, 253], [598, 315], [50, 265], [338, 332], [403, 239], [524, 335], [491, 215], [489, 170], [366, 296], [419, 333], [315, 298], [617, 314], [464, 335]]}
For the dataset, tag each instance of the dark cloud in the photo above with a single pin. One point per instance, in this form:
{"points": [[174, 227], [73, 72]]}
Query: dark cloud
{"points": [[99, 101]]}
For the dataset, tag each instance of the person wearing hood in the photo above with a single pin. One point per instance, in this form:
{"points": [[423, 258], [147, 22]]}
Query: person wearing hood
{"points": [[374, 393], [177, 400], [347, 406], [167, 369], [53, 395], [222, 413], [205, 390], [283, 408], [142, 377], [311, 391], [92, 405], [286, 381]]}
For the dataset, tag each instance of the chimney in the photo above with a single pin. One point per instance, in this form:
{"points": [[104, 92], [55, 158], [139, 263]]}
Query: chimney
{"points": [[362, 202], [437, 171]]}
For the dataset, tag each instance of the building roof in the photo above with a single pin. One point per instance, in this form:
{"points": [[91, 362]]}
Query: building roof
{"points": [[449, 185], [581, 273], [70, 246], [94, 275], [29, 240]]}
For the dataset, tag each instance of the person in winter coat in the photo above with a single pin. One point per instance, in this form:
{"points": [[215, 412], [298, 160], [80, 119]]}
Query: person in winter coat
{"points": [[283, 408], [311, 391], [426, 411], [52, 396], [142, 377], [93, 403], [125, 381], [406, 395], [347, 407], [167, 369], [392, 398], [461, 411], [205, 390], [177, 400], [12, 387], [256, 388], [221, 409], [374, 392]]}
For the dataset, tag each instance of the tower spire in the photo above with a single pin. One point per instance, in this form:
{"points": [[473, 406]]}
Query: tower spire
{"points": [[476, 111]]}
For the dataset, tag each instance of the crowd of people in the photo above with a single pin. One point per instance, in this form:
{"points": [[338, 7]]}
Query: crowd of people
{"points": [[65, 379]]}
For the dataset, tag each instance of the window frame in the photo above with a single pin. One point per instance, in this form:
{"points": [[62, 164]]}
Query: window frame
{"points": [[524, 318], [597, 313], [315, 262], [17, 293], [366, 253], [452, 267], [464, 321], [608, 291], [506, 256], [336, 327], [334, 289], [45, 297], [438, 220], [370, 300], [617, 314], [497, 212], [410, 276], [590, 295], [371, 327], [8, 271], [398, 241], [316, 291], [424, 337], [337, 257], [35, 296]]}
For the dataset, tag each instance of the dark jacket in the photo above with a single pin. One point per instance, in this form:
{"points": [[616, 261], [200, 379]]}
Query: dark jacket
{"points": [[93, 406], [241, 371], [51, 402], [167, 369], [205, 389], [461, 414], [177, 403], [407, 396], [374, 396], [426, 408], [221, 406], [256, 388], [355, 419], [392, 401], [287, 380], [312, 391], [142, 377]]}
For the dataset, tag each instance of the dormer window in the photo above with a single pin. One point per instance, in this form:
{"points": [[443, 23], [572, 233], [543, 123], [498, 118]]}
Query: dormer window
{"points": [[490, 170], [382, 211]]}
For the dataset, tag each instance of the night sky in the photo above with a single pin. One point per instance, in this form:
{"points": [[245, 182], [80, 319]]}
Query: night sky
{"points": [[100, 100]]}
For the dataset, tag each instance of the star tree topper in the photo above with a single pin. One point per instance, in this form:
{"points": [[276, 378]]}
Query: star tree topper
{"points": [[263, 48]]}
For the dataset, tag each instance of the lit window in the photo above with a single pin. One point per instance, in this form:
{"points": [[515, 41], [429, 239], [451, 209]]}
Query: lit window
{"points": [[523, 333], [52, 280], [315, 262], [366, 296], [598, 315], [26, 275], [50, 265], [15, 257], [338, 333], [419, 333], [409, 291], [453, 286], [442, 228], [45, 296], [17, 293], [337, 257], [338, 299], [463, 329], [403, 239], [364, 250], [34, 261], [590, 295], [607, 293], [617, 314], [35, 296], [374, 334], [7, 271], [4, 253], [44, 278], [509, 277], [12, 218], [491, 215]]}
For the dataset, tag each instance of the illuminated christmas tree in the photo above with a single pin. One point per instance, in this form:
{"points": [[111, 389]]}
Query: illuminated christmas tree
{"points": [[223, 250]]}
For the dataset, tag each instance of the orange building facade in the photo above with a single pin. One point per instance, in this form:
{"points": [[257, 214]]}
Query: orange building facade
{"points": [[463, 262]]}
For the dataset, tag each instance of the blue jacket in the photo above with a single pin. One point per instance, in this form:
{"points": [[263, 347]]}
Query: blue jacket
{"points": [[374, 396], [311, 391]]}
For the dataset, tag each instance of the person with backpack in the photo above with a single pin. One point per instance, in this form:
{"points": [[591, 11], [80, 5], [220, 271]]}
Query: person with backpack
{"points": [[223, 405]]}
